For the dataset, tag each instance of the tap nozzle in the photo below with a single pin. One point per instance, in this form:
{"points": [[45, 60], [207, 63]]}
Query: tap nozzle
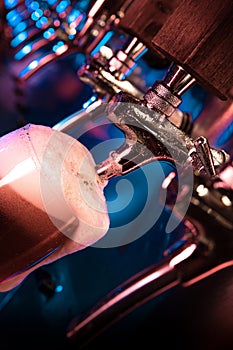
{"points": [[165, 95]]}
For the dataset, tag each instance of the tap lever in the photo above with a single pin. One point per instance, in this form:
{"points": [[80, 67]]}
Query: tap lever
{"points": [[150, 136], [147, 139]]}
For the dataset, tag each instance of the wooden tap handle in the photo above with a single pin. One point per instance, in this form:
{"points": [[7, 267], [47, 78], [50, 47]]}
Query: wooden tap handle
{"points": [[144, 18], [199, 37]]}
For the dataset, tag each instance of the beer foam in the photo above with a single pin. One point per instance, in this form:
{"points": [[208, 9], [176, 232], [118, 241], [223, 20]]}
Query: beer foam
{"points": [[56, 174]]}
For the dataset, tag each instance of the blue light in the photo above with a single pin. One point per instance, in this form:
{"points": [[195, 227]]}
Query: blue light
{"points": [[141, 54], [59, 288], [13, 18], [34, 5], [105, 39], [33, 65], [193, 101], [10, 3], [19, 39], [42, 22], [55, 48], [23, 52], [26, 49], [62, 6], [48, 33], [82, 22], [59, 44], [21, 26], [11, 15], [71, 36], [51, 2], [73, 15], [36, 14], [83, 4], [22, 36], [90, 101], [225, 135]]}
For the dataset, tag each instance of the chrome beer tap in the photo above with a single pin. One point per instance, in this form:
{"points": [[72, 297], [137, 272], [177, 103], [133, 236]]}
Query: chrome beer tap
{"points": [[107, 75], [150, 128], [107, 71]]}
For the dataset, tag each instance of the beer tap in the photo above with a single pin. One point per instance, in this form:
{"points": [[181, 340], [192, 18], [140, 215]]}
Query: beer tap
{"points": [[165, 96], [108, 71], [149, 130]]}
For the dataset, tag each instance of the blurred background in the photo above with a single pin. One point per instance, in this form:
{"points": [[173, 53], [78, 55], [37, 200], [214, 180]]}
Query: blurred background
{"points": [[37, 313]]}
